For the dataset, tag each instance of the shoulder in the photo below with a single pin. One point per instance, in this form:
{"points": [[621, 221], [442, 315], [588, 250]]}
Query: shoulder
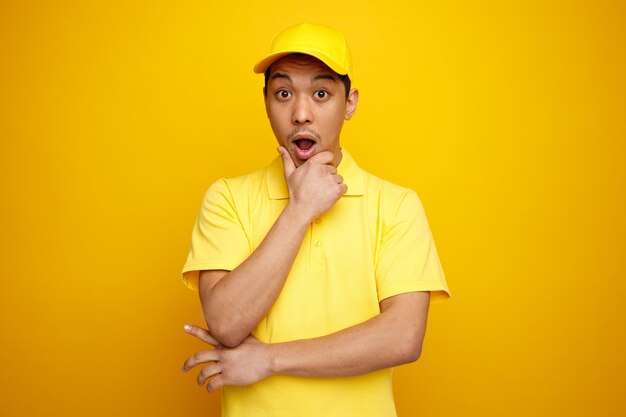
{"points": [[241, 183], [390, 197], [233, 188], [248, 181]]}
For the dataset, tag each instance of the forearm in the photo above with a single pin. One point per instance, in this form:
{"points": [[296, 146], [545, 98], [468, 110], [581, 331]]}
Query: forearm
{"points": [[389, 339], [239, 301]]}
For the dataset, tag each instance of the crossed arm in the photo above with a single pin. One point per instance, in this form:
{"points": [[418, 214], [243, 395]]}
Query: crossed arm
{"points": [[235, 302]]}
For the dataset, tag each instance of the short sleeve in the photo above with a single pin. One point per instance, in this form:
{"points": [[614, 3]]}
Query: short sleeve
{"points": [[218, 239], [407, 259]]}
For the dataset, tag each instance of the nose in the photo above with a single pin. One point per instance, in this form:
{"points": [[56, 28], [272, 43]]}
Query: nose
{"points": [[302, 113]]}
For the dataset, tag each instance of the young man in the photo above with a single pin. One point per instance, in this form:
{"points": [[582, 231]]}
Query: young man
{"points": [[314, 276]]}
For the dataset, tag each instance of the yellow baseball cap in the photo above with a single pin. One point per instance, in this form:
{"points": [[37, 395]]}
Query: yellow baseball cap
{"points": [[321, 42]]}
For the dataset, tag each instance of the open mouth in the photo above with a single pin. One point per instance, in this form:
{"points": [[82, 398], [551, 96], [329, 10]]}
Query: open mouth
{"points": [[304, 144], [304, 148]]}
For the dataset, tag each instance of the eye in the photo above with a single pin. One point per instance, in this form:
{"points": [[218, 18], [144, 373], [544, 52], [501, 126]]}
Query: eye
{"points": [[283, 94], [321, 94]]}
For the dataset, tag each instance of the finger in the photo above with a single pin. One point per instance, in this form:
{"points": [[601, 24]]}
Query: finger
{"points": [[207, 372], [201, 334], [200, 357], [330, 169], [288, 165], [343, 188], [338, 178], [215, 383], [325, 157]]}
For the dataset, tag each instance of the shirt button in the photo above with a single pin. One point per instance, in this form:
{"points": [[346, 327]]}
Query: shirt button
{"points": [[317, 243]]}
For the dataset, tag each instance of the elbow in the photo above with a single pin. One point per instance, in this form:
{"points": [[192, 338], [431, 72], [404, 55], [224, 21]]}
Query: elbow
{"points": [[226, 333], [228, 339], [413, 353], [410, 350]]}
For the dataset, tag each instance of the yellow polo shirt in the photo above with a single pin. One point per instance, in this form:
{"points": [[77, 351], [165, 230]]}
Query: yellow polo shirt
{"points": [[372, 244]]}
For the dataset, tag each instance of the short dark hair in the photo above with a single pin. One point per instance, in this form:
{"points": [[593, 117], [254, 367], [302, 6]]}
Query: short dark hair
{"points": [[343, 78]]}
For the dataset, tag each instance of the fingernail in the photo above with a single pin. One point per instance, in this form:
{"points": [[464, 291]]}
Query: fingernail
{"points": [[187, 328]]}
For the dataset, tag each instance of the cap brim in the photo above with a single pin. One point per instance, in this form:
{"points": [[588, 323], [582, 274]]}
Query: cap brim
{"points": [[265, 63]]}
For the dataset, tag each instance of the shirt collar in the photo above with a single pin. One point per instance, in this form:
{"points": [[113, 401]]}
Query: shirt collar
{"points": [[348, 169]]}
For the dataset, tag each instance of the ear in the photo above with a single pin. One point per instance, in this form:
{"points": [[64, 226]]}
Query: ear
{"points": [[265, 101], [351, 102]]}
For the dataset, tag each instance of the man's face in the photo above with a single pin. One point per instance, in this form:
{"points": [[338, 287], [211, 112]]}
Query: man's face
{"points": [[306, 104]]}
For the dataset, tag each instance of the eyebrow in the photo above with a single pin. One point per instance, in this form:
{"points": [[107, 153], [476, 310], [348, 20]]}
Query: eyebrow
{"points": [[324, 77], [281, 75], [278, 75]]}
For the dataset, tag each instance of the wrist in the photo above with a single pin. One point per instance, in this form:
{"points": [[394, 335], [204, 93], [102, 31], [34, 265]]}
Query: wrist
{"points": [[271, 353], [298, 215]]}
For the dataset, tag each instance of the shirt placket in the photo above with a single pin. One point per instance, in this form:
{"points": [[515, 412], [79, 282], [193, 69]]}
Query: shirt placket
{"points": [[317, 244]]}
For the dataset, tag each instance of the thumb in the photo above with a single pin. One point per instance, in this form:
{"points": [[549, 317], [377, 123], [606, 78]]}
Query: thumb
{"points": [[288, 164]]}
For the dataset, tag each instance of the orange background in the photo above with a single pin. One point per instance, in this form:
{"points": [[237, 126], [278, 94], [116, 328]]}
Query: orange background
{"points": [[508, 119]]}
